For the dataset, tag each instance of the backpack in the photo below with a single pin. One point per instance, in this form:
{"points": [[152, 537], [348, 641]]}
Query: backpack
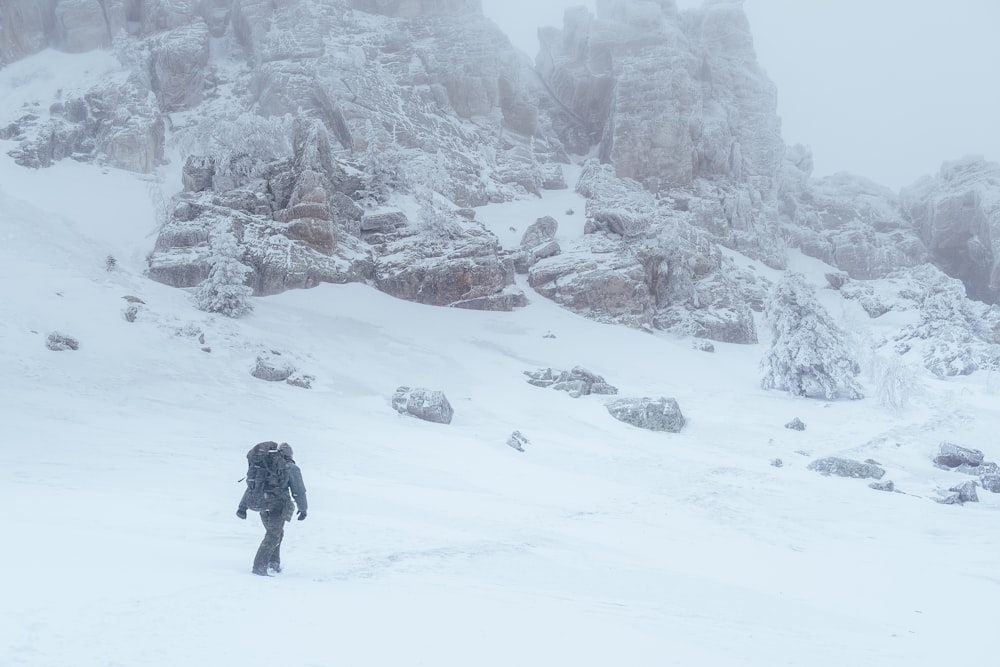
{"points": [[266, 474]]}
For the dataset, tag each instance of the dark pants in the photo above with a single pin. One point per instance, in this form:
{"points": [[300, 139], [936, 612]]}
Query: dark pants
{"points": [[274, 530]]}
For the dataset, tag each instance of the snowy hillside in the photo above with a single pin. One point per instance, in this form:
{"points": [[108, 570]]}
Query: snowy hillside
{"points": [[428, 544]]}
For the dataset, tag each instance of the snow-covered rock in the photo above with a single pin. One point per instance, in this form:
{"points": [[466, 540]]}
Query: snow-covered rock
{"points": [[654, 414], [847, 221], [842, 467], [951, 455], [673, 96], [116, 123], [957, 215], [577, 382], [60, 342], [426, 404], [273, 367]]}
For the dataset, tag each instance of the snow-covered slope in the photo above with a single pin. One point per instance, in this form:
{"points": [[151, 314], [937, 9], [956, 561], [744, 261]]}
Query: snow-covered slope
{"points": [[440, 545]]}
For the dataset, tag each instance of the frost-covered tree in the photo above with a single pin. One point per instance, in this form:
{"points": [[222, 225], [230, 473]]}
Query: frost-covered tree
{"points": [[381, 162], [808, 354], [895, 383], [225, 291]]}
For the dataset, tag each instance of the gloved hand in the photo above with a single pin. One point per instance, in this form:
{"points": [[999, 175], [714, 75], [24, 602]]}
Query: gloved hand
{"points": [[302, 515], [241, 513]]}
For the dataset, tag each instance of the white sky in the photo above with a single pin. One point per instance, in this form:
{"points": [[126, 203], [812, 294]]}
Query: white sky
{"points": [[886, 89]]}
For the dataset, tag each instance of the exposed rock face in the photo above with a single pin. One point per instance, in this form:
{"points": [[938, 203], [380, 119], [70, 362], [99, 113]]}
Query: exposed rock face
{"points": [[957, 215], [647, 264], [677, 102], [442, 272], [846, 221], [80, 25], [25, 26], [673, 97], [177, 67], [409, 9], [118, 124], [364, 111], [662, 414], [424, 404]]}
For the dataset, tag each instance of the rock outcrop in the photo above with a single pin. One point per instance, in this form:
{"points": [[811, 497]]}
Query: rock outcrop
{"points": [[957, 215], [846, 220]]}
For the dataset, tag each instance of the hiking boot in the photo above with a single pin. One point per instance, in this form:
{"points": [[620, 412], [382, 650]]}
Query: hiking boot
{"points": [[274, 567], [259, 571]]}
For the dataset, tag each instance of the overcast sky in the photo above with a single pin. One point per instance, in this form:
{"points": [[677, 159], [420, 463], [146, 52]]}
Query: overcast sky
{"points": [[883, 88]]}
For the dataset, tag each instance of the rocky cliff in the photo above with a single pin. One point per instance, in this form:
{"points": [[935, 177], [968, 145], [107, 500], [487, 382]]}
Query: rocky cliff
{"points": [[352, 140]]}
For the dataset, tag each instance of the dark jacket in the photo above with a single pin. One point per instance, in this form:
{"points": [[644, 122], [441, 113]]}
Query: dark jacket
{"points": [[297, 490]]}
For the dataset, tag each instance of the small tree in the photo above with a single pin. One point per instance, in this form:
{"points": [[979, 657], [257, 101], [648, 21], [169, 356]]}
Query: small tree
{"points": [[808, 356], [225, 290], [895, 383]]}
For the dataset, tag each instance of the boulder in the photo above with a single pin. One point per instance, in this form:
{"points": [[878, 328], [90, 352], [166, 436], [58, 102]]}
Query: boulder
{"points": [[960, 494], [841, 467], [60, 342], [966, 492], [425, 404], [539, 232], [654, 414], [953, 456], [517, 440], [796, 425], [991, 482], [271, 366], [883, 486], [577, 382]]}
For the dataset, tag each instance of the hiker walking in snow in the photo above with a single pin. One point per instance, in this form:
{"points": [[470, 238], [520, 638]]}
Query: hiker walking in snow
{"points": [[273, 479]]}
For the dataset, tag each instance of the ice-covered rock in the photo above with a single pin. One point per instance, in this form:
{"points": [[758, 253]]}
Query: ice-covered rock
{"points": [[426, 404], [847, 221], [654, 414], [576, 382], [60, 342], [115, 123], [951, 455], [80, 25], [674, 97], [841, 467], [273, 367], [957, 215], [25, 27]]}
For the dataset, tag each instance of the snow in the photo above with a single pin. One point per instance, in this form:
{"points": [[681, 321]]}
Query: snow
{"points": [[440, 545]]}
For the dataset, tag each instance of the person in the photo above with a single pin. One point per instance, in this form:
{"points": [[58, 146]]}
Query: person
{"points": [[278, 509]]}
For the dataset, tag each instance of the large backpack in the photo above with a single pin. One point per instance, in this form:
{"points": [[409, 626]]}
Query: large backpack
{"points": [[266, 474]]}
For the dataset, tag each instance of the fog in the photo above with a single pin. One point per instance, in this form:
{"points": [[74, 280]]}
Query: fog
{"points": [[887, 90]]}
